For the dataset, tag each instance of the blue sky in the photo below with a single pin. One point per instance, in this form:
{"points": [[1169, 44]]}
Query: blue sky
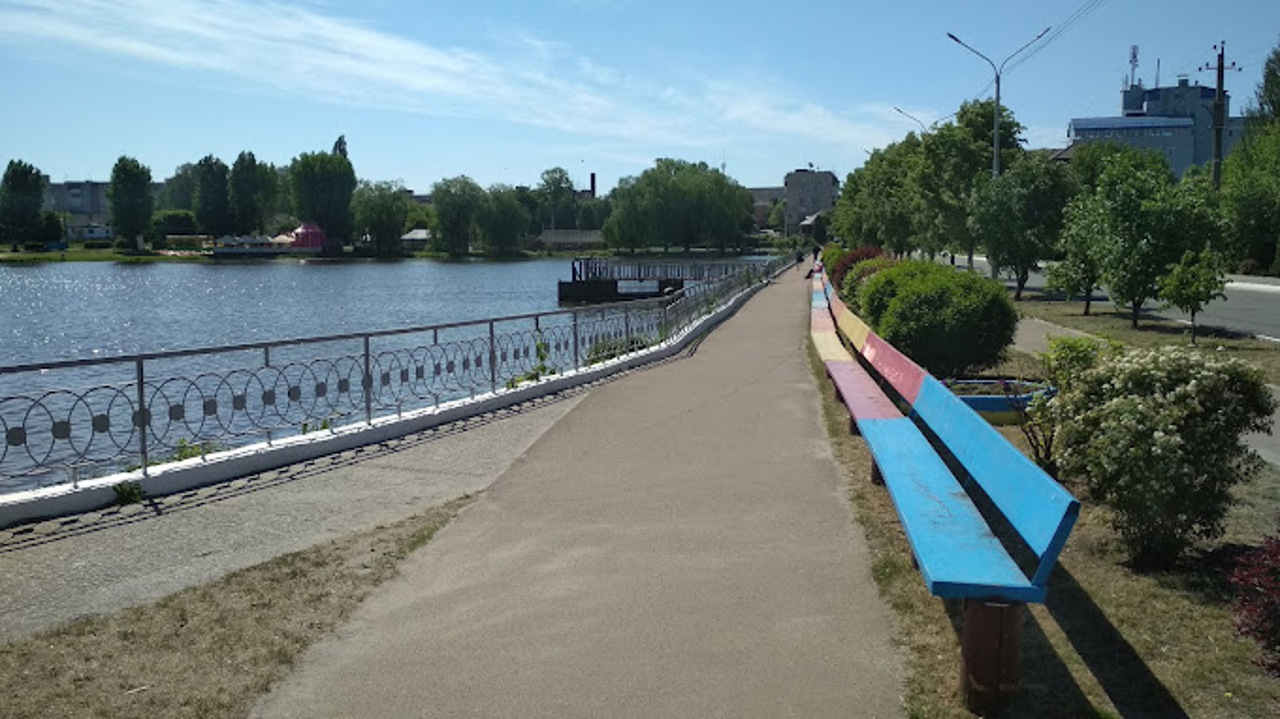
{"points": [[501, 90]]}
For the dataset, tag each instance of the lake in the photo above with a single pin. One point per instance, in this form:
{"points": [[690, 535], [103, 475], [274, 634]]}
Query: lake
{"points": [[80, 310]]}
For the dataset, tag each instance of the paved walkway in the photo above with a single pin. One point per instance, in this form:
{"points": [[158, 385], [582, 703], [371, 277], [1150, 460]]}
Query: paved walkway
{"points": [[679, 544]]}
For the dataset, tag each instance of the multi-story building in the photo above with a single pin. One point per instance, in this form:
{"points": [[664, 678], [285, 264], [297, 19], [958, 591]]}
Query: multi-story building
{"points": [[809, 192], [1176, 121], [762, 199], [82, 205]]}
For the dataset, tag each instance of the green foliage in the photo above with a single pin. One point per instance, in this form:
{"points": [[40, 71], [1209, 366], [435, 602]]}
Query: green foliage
{"points": [[51, 229], [677, 202], [539, 370], [951, 323], [212, 204], [323, 184], [128, 493], [1266, 108], [420, 217], [1079, 272], [1251, 198], [249, 188], [851, 286], [179, 191], [1066, 359], [503, 222], [459, 204], [880, 202], [130, 199], [21, 197], [380, 209], [171, 222], [1157, 436], [776, 214], [557, 199], [592, 213], [1197, 279], [1142, 223], [607, 349], [1019, 215]]}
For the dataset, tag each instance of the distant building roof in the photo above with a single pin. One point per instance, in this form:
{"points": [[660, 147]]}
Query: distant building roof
{"points": [[572, 238], [1132, 122], [416, 235]]}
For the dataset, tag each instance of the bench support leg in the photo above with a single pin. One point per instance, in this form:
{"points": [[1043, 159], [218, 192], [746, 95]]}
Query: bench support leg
{"points": [[876, 478], [990, 638]]}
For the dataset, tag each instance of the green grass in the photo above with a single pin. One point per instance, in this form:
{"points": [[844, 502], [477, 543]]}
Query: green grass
{"points": [[79, 254], [1104, 321], [1110, 641]]}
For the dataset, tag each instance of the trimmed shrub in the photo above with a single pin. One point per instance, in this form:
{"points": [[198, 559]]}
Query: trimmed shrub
{"points": [[1257, 605], [951, 323], [831, 254], [853, 279], [1157, 436], [847, 260]]}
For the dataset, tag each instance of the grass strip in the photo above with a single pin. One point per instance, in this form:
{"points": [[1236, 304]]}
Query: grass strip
{"points": [[211, 650], [1103, 321]]}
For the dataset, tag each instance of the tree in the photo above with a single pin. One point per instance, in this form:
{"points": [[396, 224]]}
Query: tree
{"points": [[458, 203], [677, 202], [1195, 281], [248, 194], [776, 213], [1079, 272], [957, 162], [322, 185], [21, 197], [171, 222], [130, 198], [558, 199], [592, 213], [380, 209], [420, 217], [51, 229], [340, 146], [212, 205], [1144, 224], [1251, 199], [1019, 215], [1267, 100], [179, 191], [504, 221]]}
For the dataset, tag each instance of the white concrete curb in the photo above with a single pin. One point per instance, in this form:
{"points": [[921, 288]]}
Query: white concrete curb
{"points": [[171, 478]]}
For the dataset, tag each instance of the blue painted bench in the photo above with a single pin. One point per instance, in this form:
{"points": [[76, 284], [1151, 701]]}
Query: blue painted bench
{"points": [[952, 541]]}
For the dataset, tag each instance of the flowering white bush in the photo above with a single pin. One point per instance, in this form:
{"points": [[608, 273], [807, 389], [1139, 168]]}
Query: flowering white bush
{"points": [[1157, 436]]}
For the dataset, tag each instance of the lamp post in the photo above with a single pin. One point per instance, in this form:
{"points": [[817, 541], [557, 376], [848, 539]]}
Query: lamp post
{"points": [[909, 116], [995, 136]]}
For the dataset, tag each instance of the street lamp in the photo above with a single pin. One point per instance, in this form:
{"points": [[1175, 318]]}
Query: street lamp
{"points": [[995, 136], [909, 116]]}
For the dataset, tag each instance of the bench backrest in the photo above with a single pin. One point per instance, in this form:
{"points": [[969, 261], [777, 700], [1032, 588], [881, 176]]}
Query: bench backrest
{"points": [[1037, 507]]}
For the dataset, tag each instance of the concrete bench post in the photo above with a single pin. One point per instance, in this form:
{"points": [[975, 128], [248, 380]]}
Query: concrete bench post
{"points": [[990, 639]]}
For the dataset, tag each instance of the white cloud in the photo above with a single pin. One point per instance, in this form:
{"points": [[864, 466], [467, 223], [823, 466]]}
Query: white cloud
{"points": [[308, 51]]}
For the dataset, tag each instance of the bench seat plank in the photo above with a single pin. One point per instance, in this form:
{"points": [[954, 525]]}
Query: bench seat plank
{"points": [[859, 392], [958, 555], [1037, 506], [829, 346]]}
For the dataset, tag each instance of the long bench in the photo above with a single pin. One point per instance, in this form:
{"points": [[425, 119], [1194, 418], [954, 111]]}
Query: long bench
{"points": [[953, 542]]}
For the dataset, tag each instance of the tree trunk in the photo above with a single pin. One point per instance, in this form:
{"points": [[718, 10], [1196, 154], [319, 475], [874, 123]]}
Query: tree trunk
{"points": [[1134, 316], [1022, 282], [1193, 328], [1088, 301]]}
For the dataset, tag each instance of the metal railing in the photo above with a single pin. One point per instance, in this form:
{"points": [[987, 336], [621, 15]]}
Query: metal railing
{"points": [[71, 420]]}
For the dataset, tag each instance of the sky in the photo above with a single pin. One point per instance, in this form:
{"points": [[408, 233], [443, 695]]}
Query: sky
{"points": [[501, 90]]}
